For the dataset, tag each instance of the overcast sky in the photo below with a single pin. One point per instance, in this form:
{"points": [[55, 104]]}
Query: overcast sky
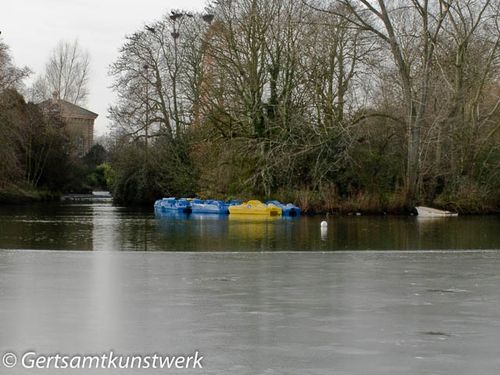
{"points": [[33, 27]]}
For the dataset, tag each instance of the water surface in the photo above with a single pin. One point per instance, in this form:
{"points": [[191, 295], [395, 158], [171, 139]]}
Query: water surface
{"points": [[102, 226], [254, 296], [349, 313]]}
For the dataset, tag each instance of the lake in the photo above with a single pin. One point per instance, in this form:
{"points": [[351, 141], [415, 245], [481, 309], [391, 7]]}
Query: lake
{"points": [[252, 296]]}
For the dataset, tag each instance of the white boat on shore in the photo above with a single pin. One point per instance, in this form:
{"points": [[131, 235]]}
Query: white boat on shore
{"points": [[433, 212]]}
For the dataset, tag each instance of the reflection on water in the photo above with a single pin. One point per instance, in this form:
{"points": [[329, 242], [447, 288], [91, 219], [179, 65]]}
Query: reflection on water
{"points": [[324, 233], [253, 232], [102, 226]]}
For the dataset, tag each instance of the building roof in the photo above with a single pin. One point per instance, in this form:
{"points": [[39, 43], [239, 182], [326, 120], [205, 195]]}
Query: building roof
{"points": [[68, 109]]}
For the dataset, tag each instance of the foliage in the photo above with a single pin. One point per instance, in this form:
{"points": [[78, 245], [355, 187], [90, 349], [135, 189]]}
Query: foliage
{"points": [[35, 145], [140, 175]]}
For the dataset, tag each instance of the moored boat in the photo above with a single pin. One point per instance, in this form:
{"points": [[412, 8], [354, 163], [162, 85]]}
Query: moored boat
{"points": [[199, 206], [255, 207], [287, 209], [433, 212], [172, 204]]}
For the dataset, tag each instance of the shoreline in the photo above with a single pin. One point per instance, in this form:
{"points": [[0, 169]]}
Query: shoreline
{"points": [[348, 207]]}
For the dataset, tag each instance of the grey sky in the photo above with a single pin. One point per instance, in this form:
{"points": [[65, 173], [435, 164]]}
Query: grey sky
{"points": [[33, 27]]}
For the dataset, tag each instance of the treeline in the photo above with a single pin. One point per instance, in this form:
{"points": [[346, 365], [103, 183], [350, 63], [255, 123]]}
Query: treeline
{"points": [[340, 105], [335, 105], [37, 160]]}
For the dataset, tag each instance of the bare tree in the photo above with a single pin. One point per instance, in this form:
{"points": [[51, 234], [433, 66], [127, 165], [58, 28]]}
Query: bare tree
{"points": [[280, 88], [66, 74], [468, 65], [11, 76], [157, 77], [410, 30]]}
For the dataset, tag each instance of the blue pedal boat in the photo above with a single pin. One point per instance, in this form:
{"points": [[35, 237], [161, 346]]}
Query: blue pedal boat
{"points": [[173, 205], [286, 209], [199, 206]]}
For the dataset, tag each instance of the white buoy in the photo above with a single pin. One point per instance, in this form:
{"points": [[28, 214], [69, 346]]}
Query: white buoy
{"points": [[324, 230]]}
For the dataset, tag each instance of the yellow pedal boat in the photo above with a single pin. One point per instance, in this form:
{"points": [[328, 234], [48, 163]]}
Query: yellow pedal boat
{"points": [[255, 208]]}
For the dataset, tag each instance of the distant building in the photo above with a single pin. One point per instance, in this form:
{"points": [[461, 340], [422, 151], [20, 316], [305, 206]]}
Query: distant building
{"points": [[79, 123]]}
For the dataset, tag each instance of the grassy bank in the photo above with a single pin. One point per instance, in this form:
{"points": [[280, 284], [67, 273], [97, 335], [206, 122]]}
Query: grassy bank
{"points": [[388, 203], [19, 195], [317, 202]]}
